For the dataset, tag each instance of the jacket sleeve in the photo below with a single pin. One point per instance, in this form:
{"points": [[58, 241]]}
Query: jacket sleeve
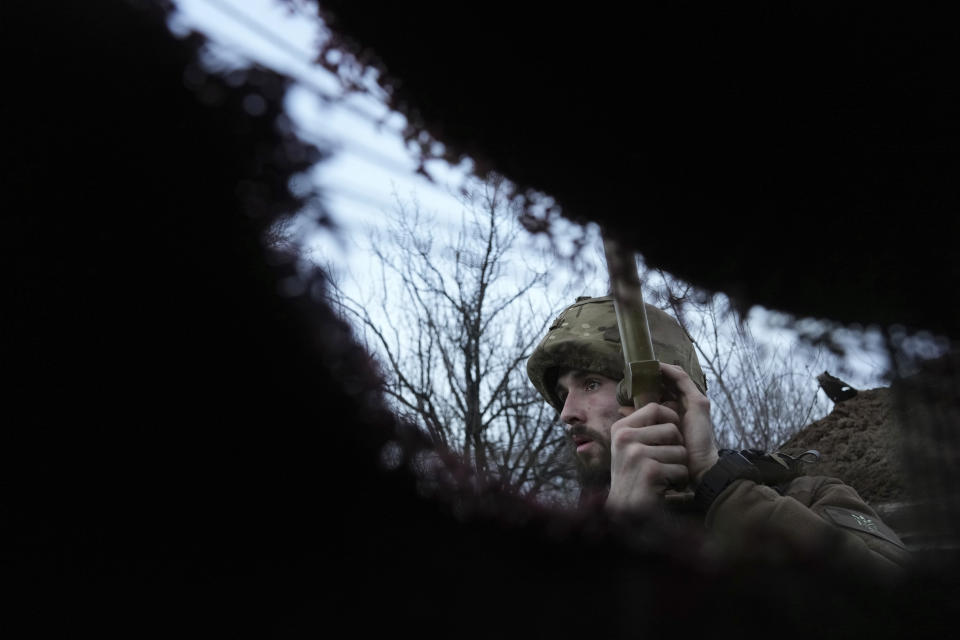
{"points": [[816, 515]]}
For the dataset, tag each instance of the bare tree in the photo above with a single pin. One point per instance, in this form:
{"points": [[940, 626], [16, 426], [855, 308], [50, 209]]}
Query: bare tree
{"points": [[760, 393], [453, 330]]}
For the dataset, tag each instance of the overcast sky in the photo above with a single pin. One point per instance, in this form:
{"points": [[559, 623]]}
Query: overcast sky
{"points": [[370, 162], [370, 159]]}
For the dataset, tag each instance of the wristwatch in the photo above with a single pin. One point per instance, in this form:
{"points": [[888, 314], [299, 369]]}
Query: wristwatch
{"points": [[732, 465]]}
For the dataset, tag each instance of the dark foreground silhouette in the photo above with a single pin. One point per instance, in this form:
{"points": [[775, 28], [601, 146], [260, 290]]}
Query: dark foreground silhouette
{"points": [[191, 440]]}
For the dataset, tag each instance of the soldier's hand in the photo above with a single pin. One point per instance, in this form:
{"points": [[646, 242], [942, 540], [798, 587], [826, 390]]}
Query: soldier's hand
{"points": [[648, 456], [695, 424]]}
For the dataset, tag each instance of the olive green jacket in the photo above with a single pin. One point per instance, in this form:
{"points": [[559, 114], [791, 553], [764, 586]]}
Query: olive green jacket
{"points": [[813, 516]]}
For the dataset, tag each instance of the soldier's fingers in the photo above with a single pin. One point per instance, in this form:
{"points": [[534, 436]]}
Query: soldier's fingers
{"points": [[676, 475], [658, 435], [649, 472], [668, 454], [630, 450], [650, 414], [667, 475], [683, 383]]}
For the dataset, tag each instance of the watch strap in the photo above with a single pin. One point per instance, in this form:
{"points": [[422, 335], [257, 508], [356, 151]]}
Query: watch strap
{"points": [[731, 466]]}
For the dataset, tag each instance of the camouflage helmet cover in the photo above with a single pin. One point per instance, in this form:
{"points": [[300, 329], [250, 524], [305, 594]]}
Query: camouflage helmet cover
{"points": [[585, 336]]}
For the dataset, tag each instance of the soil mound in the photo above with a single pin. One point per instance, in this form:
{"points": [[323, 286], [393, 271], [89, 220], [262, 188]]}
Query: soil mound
{"points": [[898, 446], [860, 443]]}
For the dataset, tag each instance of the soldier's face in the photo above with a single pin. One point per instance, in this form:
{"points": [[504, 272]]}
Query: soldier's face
{"points": [[590, 408]]}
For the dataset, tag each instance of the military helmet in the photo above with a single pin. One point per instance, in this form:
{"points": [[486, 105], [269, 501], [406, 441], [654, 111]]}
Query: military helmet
{"points": [[585, 336]]}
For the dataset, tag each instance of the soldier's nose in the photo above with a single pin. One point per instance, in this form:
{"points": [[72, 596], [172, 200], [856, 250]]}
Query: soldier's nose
{"points": [[571, 413]]}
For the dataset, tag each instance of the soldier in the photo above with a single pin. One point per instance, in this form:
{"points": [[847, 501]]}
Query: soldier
{"points": [[663, 457]]}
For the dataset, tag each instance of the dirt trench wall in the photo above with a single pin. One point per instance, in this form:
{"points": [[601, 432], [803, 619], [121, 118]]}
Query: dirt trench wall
{"points": [[860, 443], [898, 447]]}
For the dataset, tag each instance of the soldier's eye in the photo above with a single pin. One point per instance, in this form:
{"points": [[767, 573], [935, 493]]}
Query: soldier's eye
{"points": [[592, 384]]}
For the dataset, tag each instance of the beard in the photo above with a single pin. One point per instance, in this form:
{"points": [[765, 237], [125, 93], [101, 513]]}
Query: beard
{"points": [[593, 475]]}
